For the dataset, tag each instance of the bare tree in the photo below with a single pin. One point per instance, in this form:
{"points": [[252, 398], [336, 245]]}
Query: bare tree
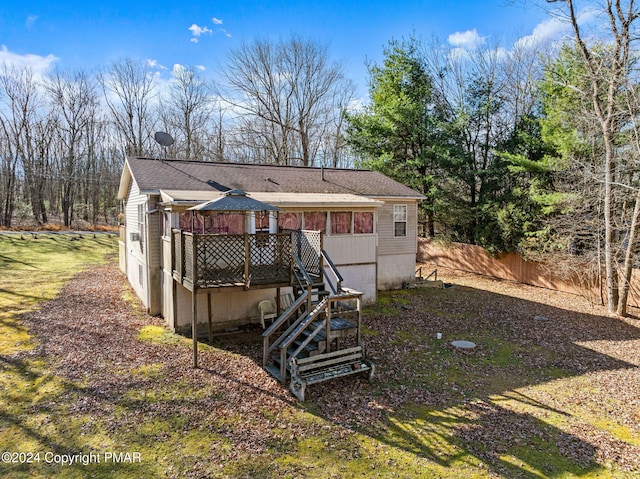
{"points": [[129, 91], [286, 97], [608, 73], [74, 101], [187, 112], [27, 137]]}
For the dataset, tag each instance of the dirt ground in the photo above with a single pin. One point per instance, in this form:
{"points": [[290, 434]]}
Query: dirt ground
{"points": [[528, 338]]}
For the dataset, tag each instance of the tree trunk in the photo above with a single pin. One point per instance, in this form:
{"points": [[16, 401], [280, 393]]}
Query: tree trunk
{"points": [[611, 269], [632, 241]]}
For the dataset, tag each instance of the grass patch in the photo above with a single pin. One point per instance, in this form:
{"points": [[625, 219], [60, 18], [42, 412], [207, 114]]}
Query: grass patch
{"points": [[500, 410], [39, 268]]}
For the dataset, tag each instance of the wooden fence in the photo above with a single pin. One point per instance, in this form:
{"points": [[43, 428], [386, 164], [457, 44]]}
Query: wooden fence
{"points": [[511, 266]]}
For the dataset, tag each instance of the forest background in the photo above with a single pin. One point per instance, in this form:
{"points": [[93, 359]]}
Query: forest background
{"points": [[533, 148]]}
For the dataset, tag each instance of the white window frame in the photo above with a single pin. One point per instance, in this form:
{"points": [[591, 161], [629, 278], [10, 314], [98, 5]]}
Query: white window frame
{"points": [[399, 217], [141, 218]]}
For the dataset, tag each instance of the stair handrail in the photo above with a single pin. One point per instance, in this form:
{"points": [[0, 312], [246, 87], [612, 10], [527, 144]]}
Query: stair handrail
{"points": [[304, 343], [301, 325], [307, 278], [295, 306], [285, 315], [308, 318], [335, 272]]}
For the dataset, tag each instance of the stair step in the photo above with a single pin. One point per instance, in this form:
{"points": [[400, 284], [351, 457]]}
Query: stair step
{"points": [[274, 371], [339, 326], [276, 364], [310, 349]]}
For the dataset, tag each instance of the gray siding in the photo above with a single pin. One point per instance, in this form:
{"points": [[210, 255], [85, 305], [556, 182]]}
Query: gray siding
{"points": [[387, 242], [136, 261], [154, 255]]}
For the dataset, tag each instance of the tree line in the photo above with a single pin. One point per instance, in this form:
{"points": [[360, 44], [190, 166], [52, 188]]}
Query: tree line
{"points": [[532, 148], [64, 137], [520, 149]]}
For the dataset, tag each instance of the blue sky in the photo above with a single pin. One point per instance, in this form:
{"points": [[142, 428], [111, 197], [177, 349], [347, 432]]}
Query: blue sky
{"points": [[90, 34]]}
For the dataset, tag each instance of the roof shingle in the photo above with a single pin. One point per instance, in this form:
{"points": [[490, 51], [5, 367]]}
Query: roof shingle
{"points": [[153, 175]]}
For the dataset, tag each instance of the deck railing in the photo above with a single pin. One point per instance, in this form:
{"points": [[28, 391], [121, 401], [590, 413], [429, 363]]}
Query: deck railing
{"points": [[213, 260], [307, 245]]}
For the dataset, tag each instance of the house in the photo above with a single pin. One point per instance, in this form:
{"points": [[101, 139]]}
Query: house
{"points": [[364, 221]]}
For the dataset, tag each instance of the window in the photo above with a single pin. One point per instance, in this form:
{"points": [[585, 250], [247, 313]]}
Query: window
{"points": [[215, 223], [362, 222], [140, 217], [141, 231], [315, 220], [289, 221], [399, 220], [228, 223], [340, 222]]}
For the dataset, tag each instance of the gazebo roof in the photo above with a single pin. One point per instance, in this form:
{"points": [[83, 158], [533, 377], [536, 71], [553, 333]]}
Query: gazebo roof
{"points": [[234, 200]]}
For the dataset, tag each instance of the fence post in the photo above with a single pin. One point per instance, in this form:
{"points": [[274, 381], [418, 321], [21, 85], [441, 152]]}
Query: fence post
{"points": [[247, 258]]}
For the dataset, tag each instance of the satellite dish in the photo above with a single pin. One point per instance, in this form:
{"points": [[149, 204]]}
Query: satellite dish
{"points": [[164, 139]]}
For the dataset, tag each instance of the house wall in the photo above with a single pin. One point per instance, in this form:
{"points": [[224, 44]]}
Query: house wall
{"points": [[367, 262], [355, 258], [122, 249], [396, 255], [166, 281], [136, 262], [154, 255], [229, 308], [141, 259]]}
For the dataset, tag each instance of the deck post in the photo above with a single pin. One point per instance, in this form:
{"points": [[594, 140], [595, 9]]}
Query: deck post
{"points": [[174, 304], [194, 327], [328, 325], [194, 301], [247, 258], [320, 258], [210, 319], [359, 308]]}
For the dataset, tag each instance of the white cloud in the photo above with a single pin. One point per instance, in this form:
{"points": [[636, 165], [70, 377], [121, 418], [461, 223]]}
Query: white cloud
{"points": [[153, 63], [197, 31], [31, 20], [555, 28], [38, 64], [549, 30], [201, 67], [177, 69], [468, 40]]}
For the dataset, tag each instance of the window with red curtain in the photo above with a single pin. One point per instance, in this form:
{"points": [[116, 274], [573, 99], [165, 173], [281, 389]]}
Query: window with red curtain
{"points": [[289, 221], [228, 223], [198, 222], [341, 222], [315, 220], [185, 221], [362, 222]]}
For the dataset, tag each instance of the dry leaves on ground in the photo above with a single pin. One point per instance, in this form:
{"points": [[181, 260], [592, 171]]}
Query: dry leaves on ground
{"points": [[90, 334]]}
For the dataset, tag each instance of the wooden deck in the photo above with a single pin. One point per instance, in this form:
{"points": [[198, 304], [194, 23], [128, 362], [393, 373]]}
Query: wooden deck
{"points": [[202, 261]]}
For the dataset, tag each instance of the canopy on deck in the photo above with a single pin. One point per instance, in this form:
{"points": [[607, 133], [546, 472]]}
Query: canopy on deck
{"points": [[234, 200]]}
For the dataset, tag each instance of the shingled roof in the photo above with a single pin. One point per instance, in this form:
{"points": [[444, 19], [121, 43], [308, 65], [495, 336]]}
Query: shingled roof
{"points": [[153, 175]]}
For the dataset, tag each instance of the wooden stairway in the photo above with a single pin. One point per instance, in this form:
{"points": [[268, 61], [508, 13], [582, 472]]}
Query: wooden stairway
{"points": [[308, 342]]}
